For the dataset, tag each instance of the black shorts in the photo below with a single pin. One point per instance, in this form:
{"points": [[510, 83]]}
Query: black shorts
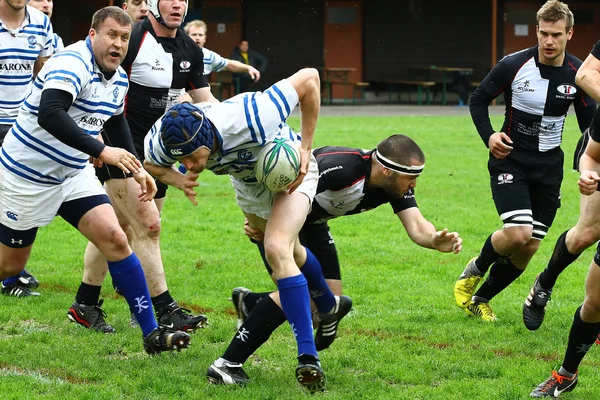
{"points": [[3, 131], [107, 172], [526, 188], [317, 238]]}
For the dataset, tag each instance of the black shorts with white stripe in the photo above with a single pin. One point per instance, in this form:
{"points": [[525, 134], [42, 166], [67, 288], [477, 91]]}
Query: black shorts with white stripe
{"points": [[526, 188]]}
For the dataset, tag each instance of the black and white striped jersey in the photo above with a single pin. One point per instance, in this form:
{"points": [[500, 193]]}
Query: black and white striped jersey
{"points": [[158, 69], [343, 185], [537, 98]]}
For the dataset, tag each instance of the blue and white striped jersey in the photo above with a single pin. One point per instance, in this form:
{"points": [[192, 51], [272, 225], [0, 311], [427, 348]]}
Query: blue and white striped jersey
{"points": [[19, 50], [212, 61], [245, 123], [31, 152], [58, 43]]}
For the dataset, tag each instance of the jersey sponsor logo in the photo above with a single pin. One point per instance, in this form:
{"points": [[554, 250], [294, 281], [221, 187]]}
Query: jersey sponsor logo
{"points": [[337, 204], [176, 152], [115, 94], [328, 170], [505, 178], [524, 87], [12, 215], [185, 66], [565, 88], [16, 67], [92, 121], [32, 41], [95, 94], [244, 155], [157, 66], [566, 91]]}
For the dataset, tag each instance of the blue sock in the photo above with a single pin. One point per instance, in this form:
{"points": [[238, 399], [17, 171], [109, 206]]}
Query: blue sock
{"points": [[317, 287], [293, 293], [128, 276], [11, 280]]}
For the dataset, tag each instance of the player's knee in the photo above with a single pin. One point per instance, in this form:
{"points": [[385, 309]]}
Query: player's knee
{"points": [[591, 308], [519, 236], [583, 238], [113, 242], [149, 224], [276, 252]]}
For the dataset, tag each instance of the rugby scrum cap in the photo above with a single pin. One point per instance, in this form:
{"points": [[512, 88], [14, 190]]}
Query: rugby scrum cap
{"points": [[153, 8], [185, 129]]}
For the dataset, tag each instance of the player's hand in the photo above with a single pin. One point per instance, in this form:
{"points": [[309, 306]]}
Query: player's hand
{"points": [[254, 234], [447, 242], [588, 182], [121, 159], [304, 160], [254, 73], [185, 98], [187, 185], [499, 145], [97, 163], [147, 185]]}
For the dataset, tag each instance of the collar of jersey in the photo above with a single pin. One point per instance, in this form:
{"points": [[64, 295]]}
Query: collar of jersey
{"points": [[151, 30], [26, 23], [97, 69]]}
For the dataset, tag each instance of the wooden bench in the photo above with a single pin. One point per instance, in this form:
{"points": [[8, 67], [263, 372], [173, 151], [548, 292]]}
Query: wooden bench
{"points": [[422, 86], [360, 89]]}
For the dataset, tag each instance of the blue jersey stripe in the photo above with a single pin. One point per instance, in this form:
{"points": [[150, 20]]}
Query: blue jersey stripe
{"points": [[274, 100], [121, 83], [7, 121], [44, 145], [59, 72], [26, 51], [58, 78], [22, 175], [14, 83], [10, 103], [50, 156], [31, 106], [72, 54], [98, 103], [257, 119], [248, 119], [18, 57], [26, 168], [283, 99], [20, 76], [103, 112]]}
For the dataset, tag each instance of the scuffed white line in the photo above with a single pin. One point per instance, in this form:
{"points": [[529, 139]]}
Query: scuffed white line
{"points": [[36, 375]]}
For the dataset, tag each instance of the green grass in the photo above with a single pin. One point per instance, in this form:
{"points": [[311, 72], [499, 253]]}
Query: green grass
{"points": [[405, 338]]}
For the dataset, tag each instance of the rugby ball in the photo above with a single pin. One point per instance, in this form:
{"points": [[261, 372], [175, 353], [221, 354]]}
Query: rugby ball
{"points": [[278, 165]]}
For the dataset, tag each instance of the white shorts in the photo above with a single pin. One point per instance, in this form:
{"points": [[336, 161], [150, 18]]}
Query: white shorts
{"points": [[256, 199], [25, 204]]}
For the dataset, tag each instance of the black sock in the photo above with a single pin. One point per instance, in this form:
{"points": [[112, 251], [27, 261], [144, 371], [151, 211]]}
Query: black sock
{"points": [[88, 294], [561, 259], [252, 299], [581, 338], [262, 321], [162, 300], [487, 256], [502, 274]]}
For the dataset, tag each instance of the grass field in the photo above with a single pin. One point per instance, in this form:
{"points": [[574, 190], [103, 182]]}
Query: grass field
{"points": [[405, 338]]}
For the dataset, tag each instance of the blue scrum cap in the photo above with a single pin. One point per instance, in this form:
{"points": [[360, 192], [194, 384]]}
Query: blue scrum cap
{"points": [[184, 130]]}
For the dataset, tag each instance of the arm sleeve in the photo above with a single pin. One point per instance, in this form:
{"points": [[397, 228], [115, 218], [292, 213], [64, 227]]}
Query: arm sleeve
{"points": [[595, 127], [405, 202], [216, 61], [596, 50], [491, 86], [53, 117], [118, 134], [585, 107], [197, 79]]}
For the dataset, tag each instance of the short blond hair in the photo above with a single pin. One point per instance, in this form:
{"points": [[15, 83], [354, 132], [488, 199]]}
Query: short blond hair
{"points": [[195, 24], [554, 11]]}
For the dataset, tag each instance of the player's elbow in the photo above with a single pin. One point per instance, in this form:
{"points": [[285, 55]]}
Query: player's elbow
{"points": [[306, 82]]}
